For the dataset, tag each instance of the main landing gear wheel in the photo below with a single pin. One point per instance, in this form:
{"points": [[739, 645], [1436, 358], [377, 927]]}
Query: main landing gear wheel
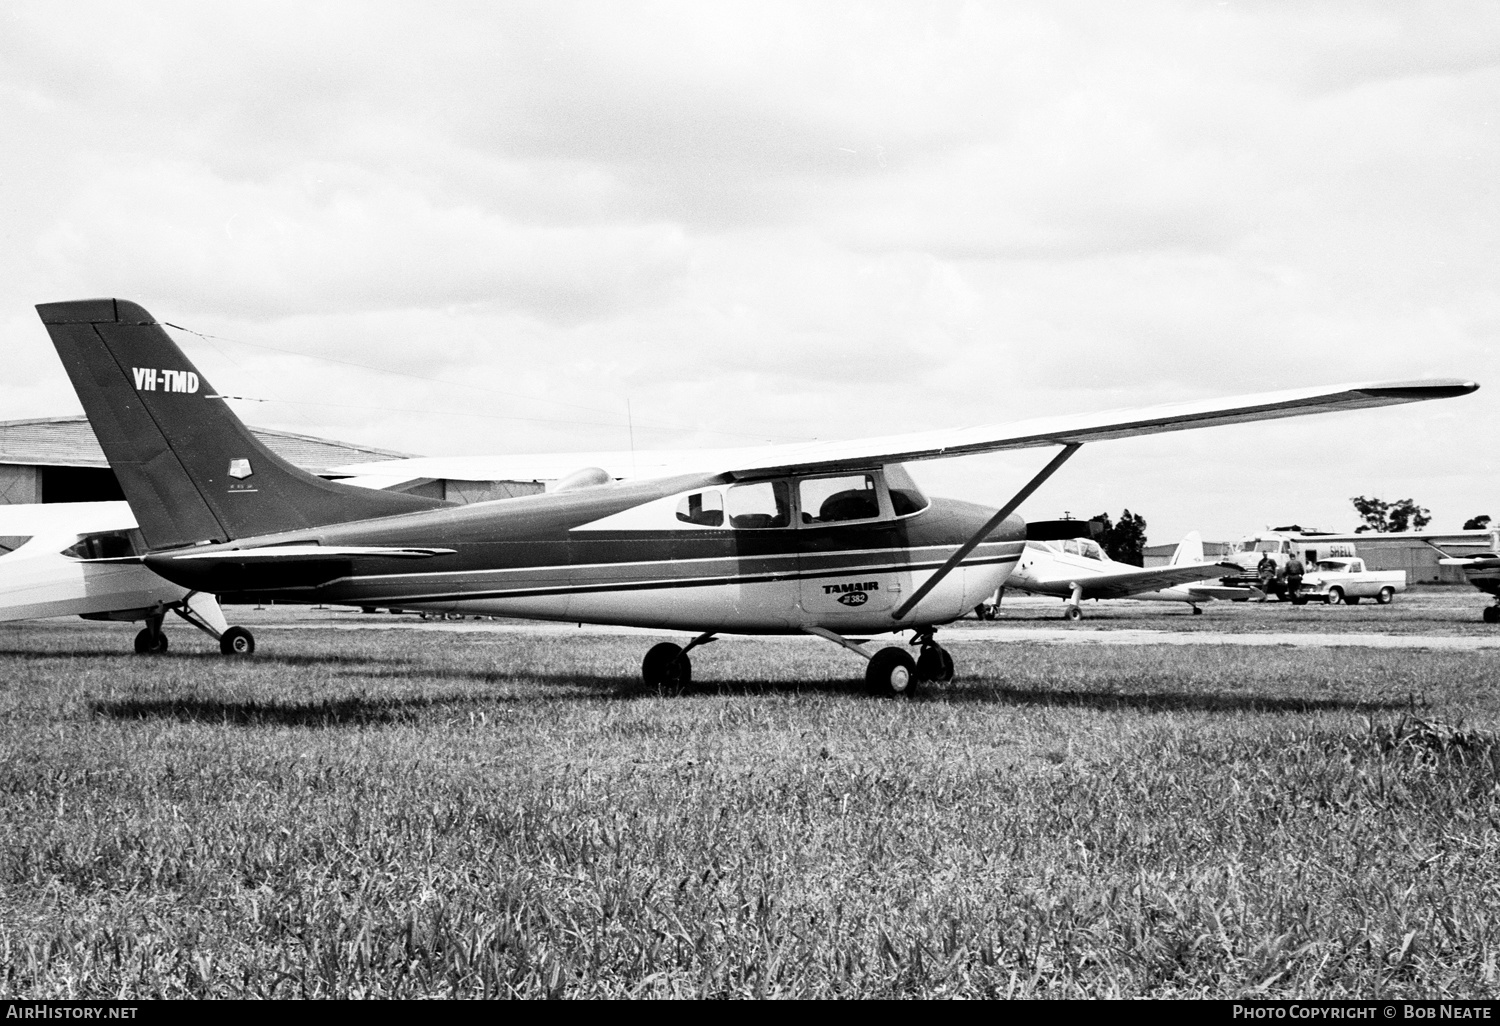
{"points": [[666, 668], [1072, 613], [892, 673], [149, 642], [237, 641], [934, 663], [1492, 614]]}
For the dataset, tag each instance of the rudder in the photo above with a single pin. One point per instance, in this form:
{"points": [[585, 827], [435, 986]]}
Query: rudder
{"points": [[1189, 550], [189, 467]]}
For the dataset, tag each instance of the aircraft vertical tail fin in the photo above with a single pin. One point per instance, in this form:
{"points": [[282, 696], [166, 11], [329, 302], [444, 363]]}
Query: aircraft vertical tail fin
{"points": [[1189, 550], [189, 467]]}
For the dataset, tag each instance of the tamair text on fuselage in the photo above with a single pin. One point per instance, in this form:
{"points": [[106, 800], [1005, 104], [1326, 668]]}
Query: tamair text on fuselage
{"points": [[853, 593]]}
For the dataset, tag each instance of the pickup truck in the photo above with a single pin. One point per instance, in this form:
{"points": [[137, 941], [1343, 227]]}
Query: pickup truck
{"points": [[1336, 581]]}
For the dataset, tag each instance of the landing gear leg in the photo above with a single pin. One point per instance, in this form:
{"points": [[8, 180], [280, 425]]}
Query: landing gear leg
{"points": [[1074, 608], [202, 611], [933, 662], [667, 667], [151, 640], [890, 673]]}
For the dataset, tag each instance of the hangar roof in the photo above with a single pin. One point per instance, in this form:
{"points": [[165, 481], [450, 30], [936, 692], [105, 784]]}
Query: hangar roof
{"points": [[70, 442]]}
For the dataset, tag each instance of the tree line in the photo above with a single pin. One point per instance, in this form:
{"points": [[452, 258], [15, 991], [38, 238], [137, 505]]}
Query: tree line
{"points": [[1124, 540]]}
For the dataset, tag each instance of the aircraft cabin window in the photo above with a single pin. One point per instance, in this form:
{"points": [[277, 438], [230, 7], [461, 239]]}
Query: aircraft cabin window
{"points": [[106, 545], [906, 497], [757, 504], [833, 500], [706, 509]]}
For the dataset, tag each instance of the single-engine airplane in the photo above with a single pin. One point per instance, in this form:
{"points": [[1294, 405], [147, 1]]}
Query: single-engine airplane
{"points": [[1067, 563], [832, 539], [83, 559]]}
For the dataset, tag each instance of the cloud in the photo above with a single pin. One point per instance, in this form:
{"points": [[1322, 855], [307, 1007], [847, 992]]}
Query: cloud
{"points": [[782, 220]]}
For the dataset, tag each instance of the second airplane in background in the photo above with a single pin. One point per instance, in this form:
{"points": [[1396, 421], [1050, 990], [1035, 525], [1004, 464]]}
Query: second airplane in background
{"points": [[1076, 568]]}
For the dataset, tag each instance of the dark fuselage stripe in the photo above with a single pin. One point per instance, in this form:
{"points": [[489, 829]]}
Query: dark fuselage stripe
{"points": [[676, 582]]}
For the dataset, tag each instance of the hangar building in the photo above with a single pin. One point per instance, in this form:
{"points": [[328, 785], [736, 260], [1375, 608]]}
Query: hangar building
{"points": [[58, 459], [1409, 552], [1403, 551]]}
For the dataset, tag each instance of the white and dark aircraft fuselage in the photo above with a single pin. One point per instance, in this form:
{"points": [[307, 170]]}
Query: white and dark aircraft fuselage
{"points": [[629, 553]]}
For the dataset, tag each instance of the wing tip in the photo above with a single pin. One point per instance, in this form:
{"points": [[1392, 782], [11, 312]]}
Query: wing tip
{"points": [[1415, 391]]}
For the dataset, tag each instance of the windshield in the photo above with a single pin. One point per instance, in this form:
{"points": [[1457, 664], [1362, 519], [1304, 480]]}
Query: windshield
{"points": [[906, 497]]}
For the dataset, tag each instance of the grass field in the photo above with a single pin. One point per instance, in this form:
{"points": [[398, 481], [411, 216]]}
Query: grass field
{"points": [[409, 812]]}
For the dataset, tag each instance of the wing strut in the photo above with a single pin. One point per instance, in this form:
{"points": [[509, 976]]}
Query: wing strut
{"points": [[989, 525]]}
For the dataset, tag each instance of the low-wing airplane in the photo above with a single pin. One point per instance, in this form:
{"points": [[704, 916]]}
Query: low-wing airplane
{"points": [[84, 559], [832, 539], [1067, 563]]}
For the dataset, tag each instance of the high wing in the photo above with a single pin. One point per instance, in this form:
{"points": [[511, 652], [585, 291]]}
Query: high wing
{"points": [[1133, 582], [805, 457]]}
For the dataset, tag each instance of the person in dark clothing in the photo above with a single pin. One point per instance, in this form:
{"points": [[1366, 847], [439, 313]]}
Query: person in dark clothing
{"points": [[1266, 571], [1294, 573]]}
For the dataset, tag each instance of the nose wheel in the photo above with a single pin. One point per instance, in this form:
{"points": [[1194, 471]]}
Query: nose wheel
{"points": [[151, 639]]}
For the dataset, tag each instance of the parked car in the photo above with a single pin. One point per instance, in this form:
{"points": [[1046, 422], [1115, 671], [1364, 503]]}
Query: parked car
{"points": [[1336, 581]]}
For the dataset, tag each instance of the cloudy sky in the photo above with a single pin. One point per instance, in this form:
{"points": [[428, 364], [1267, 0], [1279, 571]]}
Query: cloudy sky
{"points": [[482, 228]]}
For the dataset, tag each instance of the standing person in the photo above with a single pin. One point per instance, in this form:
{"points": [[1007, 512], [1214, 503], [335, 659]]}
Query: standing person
{"points": [[1266, 571], [1294, 573]]}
